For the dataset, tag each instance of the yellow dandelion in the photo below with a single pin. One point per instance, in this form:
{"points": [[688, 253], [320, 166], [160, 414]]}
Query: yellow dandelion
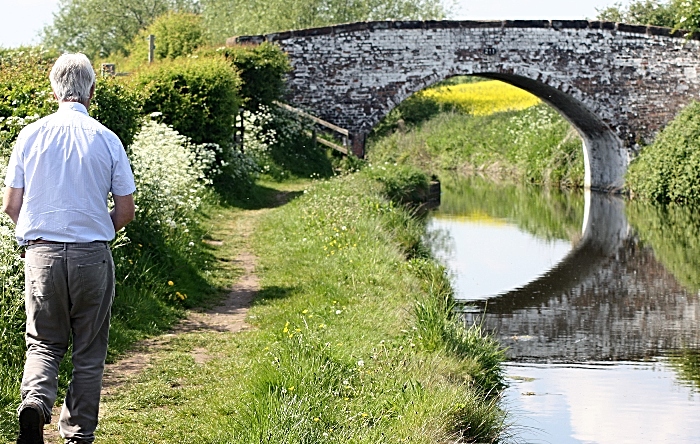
{"points": [[171, 283]]}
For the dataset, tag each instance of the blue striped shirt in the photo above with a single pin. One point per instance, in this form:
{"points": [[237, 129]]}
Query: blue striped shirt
{"points": [[68, 163]]}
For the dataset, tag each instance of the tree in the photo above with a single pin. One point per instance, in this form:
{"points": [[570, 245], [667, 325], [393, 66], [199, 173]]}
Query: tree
{"points": [[643, 12], [226, 18], [177, 34], [99, 28]]}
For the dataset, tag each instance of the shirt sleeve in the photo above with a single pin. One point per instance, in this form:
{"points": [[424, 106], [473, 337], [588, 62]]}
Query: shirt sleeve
{"points": [[15, 170], [122, 177]]}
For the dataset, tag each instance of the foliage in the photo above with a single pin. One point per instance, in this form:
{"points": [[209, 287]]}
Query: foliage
{"points": [[677, 14], [262, 69], [403, 184], [278, 142], [669, 169], [118, 108], [25, 91], [226, 18], [177, 34], [643, 12], [534, 145], [197, 96], [166, 200], [99, 28], [12, 318], [413, 111], [688, 15], [25, 96]]}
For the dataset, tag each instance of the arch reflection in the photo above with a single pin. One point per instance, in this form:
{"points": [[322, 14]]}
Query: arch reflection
{"points": [[609, 299]]}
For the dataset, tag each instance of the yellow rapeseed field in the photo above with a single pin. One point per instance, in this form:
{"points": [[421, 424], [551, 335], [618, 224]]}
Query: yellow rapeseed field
{"points": [[483, 98]]}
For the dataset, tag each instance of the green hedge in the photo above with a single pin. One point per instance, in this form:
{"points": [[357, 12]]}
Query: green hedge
{"points": [[25, 91], [262, 69], [669, 169], [199, 97], [26, 95], [118, 108]]}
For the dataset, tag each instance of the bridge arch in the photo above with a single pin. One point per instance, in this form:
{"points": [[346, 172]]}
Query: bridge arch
{"points": [[617, 84]]}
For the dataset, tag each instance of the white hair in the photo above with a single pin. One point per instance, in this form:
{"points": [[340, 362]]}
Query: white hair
{"points": [[72, 78]]}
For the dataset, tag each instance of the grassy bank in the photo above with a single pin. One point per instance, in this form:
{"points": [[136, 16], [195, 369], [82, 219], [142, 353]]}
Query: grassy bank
{"points": [[487, 128], [353, 341]]}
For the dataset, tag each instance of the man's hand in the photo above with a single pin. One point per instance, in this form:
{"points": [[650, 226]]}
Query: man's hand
{"points": [[123, 211], [12, 202]]}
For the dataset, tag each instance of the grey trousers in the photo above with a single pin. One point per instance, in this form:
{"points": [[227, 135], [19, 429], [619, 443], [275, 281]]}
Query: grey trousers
{"points": [[69, 293]]}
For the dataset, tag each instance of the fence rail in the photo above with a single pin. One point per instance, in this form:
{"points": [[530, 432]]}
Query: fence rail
{"points": [[345, 133]]}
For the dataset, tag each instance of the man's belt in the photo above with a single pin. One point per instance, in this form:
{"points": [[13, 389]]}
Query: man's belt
{"points": [[42, 241]]}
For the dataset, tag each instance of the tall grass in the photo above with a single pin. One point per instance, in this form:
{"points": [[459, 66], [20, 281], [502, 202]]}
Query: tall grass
{"points": [[488, 128]]}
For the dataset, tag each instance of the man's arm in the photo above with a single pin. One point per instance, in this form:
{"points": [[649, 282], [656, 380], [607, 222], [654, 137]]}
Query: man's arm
{"points": [[12, 202], [123, 212]]}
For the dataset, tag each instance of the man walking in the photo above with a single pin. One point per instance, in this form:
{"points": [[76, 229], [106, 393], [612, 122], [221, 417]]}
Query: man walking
{"points": [[60, 174]]}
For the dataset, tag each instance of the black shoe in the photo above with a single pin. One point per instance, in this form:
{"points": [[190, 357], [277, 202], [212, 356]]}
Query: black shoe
{"points": [[31, 425]]}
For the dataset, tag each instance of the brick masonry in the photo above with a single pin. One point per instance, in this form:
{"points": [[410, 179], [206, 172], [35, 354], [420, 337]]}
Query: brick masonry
{"points": [[617, 84]]}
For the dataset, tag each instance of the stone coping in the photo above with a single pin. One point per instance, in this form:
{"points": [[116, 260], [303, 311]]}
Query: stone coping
{"points": [[462, 24]]}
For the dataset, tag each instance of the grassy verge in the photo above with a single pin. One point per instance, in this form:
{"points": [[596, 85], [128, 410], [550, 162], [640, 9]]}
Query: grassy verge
{"points": [[354, 342]]}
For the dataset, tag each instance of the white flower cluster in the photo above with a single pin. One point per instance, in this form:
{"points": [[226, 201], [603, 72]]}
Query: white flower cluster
{"points": [[267, 127], [11, 266], [10, 128], [259, 134], [170, 174]]}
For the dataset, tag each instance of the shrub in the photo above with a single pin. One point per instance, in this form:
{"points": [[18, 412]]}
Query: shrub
{"points": [[402, 183], [278, 142], [197, 96], [26, 95], [25, 91], [177, 34], [118, 108], [669, 169], [262, 69], [413, 111], [170, 177]]}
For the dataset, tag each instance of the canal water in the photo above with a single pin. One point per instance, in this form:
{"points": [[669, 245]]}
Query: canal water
{"points": [[597, 301]]}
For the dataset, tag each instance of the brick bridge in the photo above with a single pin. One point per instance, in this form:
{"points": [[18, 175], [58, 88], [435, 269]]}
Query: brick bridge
{"points": [[617, 84]]}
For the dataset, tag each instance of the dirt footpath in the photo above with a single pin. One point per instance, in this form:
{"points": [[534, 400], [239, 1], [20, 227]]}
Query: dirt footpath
{"points": [[229, 316]]}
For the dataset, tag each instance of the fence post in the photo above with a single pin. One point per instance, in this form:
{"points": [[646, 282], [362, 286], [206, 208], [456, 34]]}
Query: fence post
{"points": [[151, 48], [358, 145]]}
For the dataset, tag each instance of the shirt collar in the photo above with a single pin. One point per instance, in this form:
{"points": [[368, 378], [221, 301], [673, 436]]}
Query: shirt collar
{"points": [[73, 106]]}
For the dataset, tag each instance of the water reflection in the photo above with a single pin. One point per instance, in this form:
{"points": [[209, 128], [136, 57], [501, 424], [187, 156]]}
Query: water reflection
{"points": [[604, 343], [609, 299]]}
